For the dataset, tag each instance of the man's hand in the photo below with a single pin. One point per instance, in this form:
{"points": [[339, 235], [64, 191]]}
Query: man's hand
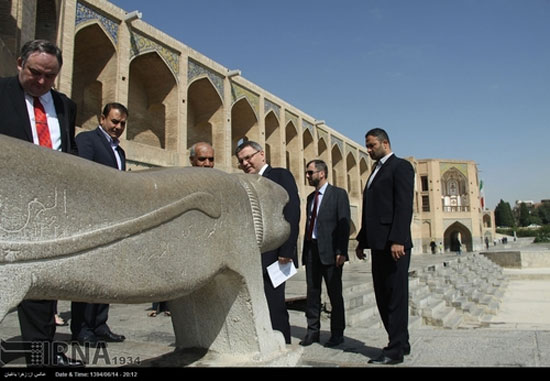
{"points": [[397, 251], [360, 253], [340, 259], [284, 260]]}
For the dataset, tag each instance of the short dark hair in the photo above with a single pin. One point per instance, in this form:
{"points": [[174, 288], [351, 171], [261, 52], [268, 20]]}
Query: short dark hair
{"points": [[320, 165], [379, 134], [42, 46], [248, 143], [115, 105]]}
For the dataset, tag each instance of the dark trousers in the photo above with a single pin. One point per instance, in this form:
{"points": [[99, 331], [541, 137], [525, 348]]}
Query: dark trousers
{"points": [[277, 307], [37, 323], [37, 319], [391, 288], [88, 319], [315, 272]]}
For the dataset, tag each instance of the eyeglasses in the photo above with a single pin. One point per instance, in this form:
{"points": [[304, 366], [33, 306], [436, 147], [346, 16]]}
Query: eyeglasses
{"points": [[310, 173], [247, 158]]}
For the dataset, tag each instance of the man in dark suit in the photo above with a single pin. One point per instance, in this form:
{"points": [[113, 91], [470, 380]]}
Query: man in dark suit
{"points": [[325, 251], [386, 230], [251, 158], [89, 320], [31, 110]]}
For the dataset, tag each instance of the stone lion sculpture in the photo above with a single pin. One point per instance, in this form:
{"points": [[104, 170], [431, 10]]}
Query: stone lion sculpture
{"points": [[71, 229]]}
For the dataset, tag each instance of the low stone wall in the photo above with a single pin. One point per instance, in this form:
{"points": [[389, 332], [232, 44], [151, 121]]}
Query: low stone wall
{"points": [[519, 259]]}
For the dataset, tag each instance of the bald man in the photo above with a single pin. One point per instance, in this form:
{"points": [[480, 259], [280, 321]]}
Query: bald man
{"points": [[201, 154]]}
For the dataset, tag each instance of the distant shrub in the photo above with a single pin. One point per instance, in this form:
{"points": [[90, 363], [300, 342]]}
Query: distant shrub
{"points": [[542, 234]]}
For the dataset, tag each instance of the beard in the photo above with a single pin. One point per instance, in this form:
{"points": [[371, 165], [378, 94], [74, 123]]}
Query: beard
{"points": [[313, 182]]}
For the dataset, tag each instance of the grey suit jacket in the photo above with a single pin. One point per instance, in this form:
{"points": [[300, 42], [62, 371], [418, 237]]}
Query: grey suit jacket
{"points": [[333, 225]]}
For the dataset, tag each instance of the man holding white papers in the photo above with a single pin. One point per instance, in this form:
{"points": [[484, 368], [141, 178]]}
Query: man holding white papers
{"points": [[252, 160], [325, 251]]}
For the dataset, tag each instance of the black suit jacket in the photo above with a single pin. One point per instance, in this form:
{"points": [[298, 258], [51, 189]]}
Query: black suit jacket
{"points": [[15, 118], [93, 145], [333, 225], [291, 212], [388, 206]]}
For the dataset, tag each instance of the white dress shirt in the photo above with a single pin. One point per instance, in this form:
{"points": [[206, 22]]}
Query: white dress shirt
{"points": [[378, 166], [114, 145]]}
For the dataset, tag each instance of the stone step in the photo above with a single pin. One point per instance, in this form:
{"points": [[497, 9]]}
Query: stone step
{"points": [[442, 316], [464, 291]]}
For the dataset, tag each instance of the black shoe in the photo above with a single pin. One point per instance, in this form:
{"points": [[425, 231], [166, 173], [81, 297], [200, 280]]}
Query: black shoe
{"points": [[91, 341], [62, 361], [309, 339], [384, 360], [112, 337], [407, 350], [334, 341]]}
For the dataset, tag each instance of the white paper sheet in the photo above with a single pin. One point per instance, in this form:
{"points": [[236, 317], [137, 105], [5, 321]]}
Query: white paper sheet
{"points": [[279, 273]]}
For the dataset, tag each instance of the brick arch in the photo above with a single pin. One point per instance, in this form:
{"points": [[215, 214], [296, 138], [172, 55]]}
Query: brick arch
{"points": [[322, 151], [293, 149], [94, 73], [364, 173], [244, 124], [204, 114], [46, 20], [354, 182], [338, 167], [273, 140], [455, 231], [152, 101]]}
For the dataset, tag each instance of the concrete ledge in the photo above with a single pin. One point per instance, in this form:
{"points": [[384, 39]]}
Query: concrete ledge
{"points": [[519, 259]]}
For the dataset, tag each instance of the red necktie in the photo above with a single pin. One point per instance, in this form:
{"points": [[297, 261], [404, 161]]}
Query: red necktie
{"points": [[313, 217], [41, 121]]}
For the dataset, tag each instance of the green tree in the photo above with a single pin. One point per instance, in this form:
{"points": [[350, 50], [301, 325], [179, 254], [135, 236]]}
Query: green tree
{"points": [[503, 215], [543, 211], [523, 217]]}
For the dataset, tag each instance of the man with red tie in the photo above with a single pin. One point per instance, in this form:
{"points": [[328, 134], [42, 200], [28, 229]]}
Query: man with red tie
{"points": [[31, 110]]}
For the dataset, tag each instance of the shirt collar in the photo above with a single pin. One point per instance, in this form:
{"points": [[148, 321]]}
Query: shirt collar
{"points": [[112, 141], [261, 173], [323, 188], [385, 158], [45, 99]]}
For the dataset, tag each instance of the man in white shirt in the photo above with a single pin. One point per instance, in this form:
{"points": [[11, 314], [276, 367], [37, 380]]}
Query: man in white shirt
{"points": [[325, 251], [252, 160], [89, 320], [26, 99]]}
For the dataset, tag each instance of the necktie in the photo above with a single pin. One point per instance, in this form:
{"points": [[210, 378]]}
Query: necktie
{"points": [[41, 121], [313, 217]]}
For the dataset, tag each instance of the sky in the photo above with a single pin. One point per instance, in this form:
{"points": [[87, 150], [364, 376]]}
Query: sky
{"points": [[447, 79]]}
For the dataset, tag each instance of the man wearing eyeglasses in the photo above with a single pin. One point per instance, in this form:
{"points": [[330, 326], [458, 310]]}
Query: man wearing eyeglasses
{"points": [[201, 154], [325, 251], [252, 160]]}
